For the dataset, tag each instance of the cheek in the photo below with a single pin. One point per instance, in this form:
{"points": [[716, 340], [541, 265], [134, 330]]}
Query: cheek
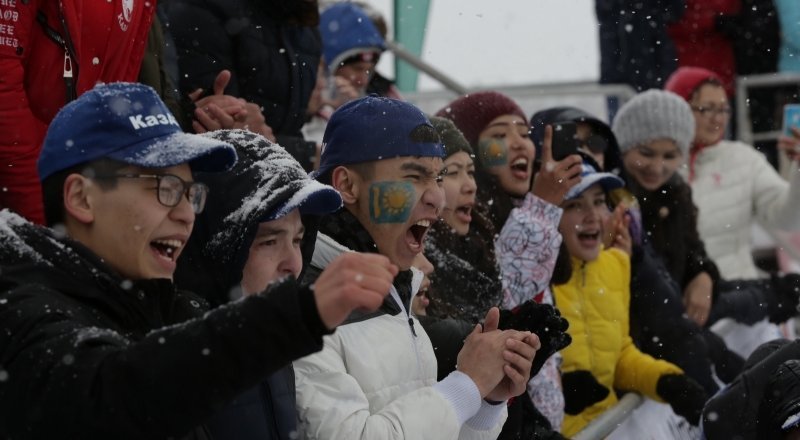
{"points": [[451, 194], [493, 152], [257, 273], [391, 202]]}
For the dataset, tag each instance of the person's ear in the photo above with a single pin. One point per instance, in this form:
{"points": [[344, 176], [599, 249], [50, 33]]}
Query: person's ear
{"points": [[347, 182], [78, 199]]}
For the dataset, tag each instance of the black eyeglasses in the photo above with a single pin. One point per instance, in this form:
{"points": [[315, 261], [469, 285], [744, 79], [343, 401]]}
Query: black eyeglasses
{"points": [[170, 188], [709, 111]]}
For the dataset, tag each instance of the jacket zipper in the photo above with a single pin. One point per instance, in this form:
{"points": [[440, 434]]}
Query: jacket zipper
{"points": [[70, 72], [581, 294]]}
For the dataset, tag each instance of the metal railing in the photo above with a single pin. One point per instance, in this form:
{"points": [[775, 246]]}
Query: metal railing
{"points": [[426, 68], [608, 421], [744, 128]]}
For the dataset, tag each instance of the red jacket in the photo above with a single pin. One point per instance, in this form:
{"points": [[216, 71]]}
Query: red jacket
{"points": [[105, 42], [700, 44]]}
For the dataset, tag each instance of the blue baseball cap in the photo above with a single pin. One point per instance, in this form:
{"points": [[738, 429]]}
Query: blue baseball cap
{"points": [[347, 32], [589, 177], [375, 128], [129, 123]]}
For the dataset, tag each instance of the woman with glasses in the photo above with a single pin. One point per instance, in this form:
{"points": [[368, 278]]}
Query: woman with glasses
{"points": [[733, 187]]}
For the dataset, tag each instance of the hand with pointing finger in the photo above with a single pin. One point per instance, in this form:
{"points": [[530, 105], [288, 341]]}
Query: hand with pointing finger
{"points": [[555, 178], [221, 111]]}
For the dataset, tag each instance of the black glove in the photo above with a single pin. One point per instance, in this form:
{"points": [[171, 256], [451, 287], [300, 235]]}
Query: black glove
{"points": [[787, 292], [684, 395], [545, 321], [526, 422], [581, 390], [727, 364]]}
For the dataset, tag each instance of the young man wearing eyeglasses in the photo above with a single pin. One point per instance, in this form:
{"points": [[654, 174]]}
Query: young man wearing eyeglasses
{"points": [[96, 341]]}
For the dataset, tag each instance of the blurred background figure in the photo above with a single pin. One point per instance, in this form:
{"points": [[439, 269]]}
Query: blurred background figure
{"points": [[351, 48], [272, 49], [635, 48]]}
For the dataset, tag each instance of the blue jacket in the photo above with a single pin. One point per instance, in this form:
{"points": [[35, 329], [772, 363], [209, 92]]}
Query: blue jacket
{"points": [[789, 16], [264, 412]]}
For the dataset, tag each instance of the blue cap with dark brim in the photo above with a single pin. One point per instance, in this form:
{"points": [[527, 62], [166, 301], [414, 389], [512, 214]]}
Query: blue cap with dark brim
{"points": [[129, 123]]}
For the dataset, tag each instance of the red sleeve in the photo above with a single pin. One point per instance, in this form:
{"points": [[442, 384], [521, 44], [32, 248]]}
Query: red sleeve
{"points": [[20, 132]]}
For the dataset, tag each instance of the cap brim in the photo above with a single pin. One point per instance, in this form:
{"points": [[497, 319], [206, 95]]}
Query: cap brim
{"points": [[607, 180], [314, 198], [200, 152]]}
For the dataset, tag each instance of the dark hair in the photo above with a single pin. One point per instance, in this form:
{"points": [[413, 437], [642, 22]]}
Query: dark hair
{"points": [[708, 81], [562, 271], [53, 186]]}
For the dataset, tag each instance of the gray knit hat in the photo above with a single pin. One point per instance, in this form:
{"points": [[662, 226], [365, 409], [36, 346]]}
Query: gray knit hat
{"points": [[653, 115]]}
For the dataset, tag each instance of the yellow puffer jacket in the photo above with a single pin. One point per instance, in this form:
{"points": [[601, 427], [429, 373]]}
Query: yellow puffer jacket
{"points": [[596, 302]]}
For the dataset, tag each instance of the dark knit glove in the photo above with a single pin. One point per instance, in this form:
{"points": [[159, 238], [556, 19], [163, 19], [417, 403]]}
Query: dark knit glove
{"points": [[545, 321], [684, 395], [787, 294], [727, 364], [581, 390]]}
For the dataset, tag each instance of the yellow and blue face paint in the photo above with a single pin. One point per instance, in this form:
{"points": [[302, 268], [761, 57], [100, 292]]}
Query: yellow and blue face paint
{"points": [[391, 202], [493, 152]]}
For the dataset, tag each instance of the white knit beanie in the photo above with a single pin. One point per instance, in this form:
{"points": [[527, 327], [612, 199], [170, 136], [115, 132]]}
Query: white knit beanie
{"points": [[653, 115]]}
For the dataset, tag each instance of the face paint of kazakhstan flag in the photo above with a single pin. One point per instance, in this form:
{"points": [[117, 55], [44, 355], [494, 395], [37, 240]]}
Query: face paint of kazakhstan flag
{"points": [[493, 152], [391, 202]]}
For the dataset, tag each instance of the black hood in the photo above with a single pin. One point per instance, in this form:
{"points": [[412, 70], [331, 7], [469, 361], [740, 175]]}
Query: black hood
{"points": [[264, 178], [559, 114]]}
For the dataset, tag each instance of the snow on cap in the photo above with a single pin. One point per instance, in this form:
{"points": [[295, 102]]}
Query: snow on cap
{"points": [[129, 123], [275, 183]]}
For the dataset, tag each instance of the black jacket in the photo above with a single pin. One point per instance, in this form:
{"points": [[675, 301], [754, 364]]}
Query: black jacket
{"points": [[273, 58], [214, 260], [658, 323], [669, 219], [635, 48], [87, 354], [756, 35], [465, 282]]}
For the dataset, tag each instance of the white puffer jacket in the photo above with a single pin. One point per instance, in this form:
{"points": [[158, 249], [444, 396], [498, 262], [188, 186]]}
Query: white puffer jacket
{"points": [[376, 380], [733, 187]]}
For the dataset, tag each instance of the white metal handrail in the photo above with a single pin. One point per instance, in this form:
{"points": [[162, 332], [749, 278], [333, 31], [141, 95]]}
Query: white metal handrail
{"points": [[608, 421]]}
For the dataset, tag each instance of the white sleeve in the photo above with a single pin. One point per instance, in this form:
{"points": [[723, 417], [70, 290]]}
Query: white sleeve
{"points": [[331, 404], [775, 200]]}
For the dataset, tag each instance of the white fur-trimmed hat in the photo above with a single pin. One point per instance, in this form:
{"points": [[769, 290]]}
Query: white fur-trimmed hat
{"points": [[653, 115]]}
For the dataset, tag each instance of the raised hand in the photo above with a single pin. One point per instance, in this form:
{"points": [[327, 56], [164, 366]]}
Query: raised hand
{"points": [[555, 178], [352, 281], [617, 230], [220, 111], [544, 321], [791, 144]]}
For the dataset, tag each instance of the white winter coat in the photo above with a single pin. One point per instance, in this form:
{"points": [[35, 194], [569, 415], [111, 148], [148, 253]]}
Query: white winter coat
{"points": [[374, 380], [734, 186]]}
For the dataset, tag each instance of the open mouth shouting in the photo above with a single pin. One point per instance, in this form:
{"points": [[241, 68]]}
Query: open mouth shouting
{"points": [[167, 250], [520, 168], [589, 239], [415, 236], [464, 213]]}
